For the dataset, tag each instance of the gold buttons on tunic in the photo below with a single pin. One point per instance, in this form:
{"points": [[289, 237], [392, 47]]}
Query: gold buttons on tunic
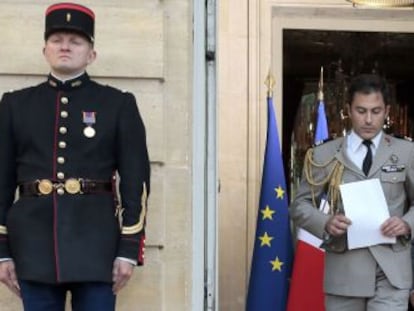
{"points": [[62, 144]]}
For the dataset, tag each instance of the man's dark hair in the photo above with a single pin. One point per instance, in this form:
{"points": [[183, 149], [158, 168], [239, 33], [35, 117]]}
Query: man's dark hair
{"points": [[367, 84]]}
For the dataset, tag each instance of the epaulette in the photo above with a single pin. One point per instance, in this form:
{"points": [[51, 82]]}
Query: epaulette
{"points": [[321, 142], [407, 138]]}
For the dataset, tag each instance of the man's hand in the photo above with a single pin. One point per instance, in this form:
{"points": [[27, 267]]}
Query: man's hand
{"points": [[395, 226], [121, 274], [337, 225], [8, 276]]}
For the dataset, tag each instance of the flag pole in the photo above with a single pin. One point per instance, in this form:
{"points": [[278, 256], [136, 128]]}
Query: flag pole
{"points": [[321, 132], [320, 92], [270, 83]]}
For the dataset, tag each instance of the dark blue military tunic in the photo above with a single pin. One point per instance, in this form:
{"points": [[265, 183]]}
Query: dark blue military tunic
{"points": [[79, 131]]}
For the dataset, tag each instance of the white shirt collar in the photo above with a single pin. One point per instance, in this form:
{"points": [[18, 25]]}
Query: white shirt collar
{"points": [[355, 141], [64, 80]]}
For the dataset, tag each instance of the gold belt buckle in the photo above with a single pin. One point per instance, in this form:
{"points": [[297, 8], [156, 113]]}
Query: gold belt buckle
{"points": [[45, 186], [73, 186]]}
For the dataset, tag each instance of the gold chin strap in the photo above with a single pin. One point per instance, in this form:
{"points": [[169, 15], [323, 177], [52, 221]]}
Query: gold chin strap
{"points": [[333, 179]]}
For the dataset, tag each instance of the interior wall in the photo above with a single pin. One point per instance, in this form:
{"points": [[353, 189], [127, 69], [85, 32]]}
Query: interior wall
{"points": [[232, 95], [250, 45]]}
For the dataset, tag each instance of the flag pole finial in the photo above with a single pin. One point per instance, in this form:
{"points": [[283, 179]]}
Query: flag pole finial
{"points": [[270, 82], [320, 92]]}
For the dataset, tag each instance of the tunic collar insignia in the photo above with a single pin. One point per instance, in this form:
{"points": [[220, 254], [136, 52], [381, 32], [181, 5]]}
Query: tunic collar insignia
{"points": [[68, 85]]}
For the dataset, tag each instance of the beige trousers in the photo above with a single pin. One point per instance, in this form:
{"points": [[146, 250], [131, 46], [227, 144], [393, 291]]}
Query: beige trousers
{"points": [[386, 298]]}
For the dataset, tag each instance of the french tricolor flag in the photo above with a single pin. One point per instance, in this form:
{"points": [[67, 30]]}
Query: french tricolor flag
{"points": [[306, 287]]}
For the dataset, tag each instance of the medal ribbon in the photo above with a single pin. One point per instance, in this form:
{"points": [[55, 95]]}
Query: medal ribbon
{"points": [[89, 117]]}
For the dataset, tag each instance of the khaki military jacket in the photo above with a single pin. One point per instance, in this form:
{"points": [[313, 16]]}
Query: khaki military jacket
{"points": [[352, 272]]}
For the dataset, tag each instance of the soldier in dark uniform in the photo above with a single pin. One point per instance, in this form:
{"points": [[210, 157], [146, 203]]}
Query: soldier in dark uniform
{"points": [[62, 143]]}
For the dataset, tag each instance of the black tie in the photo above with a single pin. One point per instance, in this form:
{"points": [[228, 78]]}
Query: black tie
{"points": [[366, 164]]}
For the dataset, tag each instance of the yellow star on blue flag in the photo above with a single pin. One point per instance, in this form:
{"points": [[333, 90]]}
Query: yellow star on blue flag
{"points": [[267, 213], [265, 239]]}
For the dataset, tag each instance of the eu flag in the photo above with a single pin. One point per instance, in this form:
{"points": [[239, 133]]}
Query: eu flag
{"points": [[272, 254], [321, 132]]}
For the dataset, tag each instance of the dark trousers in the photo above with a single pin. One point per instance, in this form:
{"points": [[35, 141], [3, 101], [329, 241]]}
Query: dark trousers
{"points": [[88, 296]]}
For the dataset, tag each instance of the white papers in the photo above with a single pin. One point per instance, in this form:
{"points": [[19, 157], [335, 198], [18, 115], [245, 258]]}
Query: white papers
{"points": [[365, 204]]}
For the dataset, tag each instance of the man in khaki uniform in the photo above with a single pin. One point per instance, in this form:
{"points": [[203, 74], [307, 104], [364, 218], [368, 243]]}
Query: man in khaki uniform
{"points": [[375, 278]]}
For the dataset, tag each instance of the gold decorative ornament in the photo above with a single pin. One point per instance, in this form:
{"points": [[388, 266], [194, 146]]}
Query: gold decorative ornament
{"points": [[320, 86], [136, 228], [76, 83], [270, 83], [332, 180], [45, 186], [72, 186], [383, 3]]}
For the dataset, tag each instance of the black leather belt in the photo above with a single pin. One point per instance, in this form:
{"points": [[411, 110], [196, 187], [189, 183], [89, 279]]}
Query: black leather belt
{"points": [[71, 186]]}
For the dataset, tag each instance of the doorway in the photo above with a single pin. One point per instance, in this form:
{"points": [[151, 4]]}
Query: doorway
{"points": [[342, 55]]}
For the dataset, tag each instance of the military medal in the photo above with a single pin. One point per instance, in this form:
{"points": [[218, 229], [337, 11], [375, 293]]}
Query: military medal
{"points": [[89, 118], [89, 131]]}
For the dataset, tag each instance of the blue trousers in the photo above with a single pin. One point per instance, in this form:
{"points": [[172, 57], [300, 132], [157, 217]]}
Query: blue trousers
{"points": [[88, 296]]}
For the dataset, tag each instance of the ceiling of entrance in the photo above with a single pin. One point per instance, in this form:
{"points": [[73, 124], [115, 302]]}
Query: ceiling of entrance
{"points": [[305, 51]]}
